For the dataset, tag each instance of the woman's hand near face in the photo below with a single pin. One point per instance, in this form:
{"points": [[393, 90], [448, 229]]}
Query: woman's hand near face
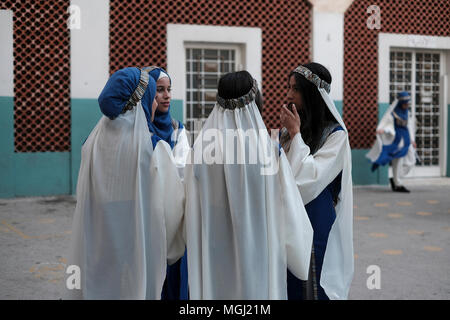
{"points": [[154, 107], [290, 120]]}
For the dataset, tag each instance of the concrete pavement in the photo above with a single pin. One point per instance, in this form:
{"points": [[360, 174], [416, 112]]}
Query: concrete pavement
{"points": [[401, 243]]}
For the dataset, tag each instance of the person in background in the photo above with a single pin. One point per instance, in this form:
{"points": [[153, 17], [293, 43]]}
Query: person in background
{"points": [[394, 142]]}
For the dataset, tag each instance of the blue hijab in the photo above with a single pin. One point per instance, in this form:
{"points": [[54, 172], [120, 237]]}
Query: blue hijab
{"points": [[118, 91], [162, 122], [403, 97]]}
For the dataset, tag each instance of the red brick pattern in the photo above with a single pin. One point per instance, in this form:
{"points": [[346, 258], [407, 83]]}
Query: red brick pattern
{"points": [[361, 55], [41, 75], [138, 35]]}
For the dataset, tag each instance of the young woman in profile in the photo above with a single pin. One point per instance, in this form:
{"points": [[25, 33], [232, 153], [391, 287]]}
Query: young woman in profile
{"points": [[173, 132], [125, 222], [315, 140], [163, 125]]}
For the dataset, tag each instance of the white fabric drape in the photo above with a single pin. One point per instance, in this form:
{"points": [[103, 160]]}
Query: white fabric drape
{"points": [[405, 163], [243, 228], [181, 150], [130, 204], [312, 174]]}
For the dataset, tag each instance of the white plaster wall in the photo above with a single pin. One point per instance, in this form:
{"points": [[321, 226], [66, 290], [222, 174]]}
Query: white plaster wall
{"points": [[6, 54], [89, 49], [328, 47], [331, 5], [178, 35]]}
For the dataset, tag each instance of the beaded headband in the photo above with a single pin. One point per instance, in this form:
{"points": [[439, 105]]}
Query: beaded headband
{"points": [[241, 101], [404, 98], [139, 92], [312, 77]]}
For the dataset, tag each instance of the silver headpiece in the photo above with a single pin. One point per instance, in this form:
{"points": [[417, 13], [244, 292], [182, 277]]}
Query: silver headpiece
{"points": [[241, 101], [138, 92], [314, 78]]}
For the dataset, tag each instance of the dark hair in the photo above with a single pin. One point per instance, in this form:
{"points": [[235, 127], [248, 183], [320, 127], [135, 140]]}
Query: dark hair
{"points": [[237, 84], [314, 113]]}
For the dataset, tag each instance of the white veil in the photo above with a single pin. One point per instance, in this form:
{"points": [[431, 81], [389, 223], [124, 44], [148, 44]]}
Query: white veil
{"points": [[338, 264], [129, 209], [245, 222]]}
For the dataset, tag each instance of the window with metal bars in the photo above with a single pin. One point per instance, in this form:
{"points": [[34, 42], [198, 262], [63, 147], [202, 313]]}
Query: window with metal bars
{"points": [[419, 73], [204, 67]]}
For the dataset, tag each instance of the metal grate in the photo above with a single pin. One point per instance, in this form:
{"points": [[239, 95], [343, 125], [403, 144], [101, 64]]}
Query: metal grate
{"points": [[427, 107], [41, 75], [138, 35], [400, 73], [419, 73], [204, 67]]}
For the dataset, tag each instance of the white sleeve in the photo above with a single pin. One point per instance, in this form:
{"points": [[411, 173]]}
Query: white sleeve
{"points": [[193, 233], [297, 228], [314, 172], [412, 127], [387, 124], [169, 193], [181, 151]]}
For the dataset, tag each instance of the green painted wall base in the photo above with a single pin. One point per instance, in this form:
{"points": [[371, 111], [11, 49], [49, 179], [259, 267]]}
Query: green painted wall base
{"points": [[176, 109], [85, 115], [49, 173], [55, 173], [339, 106], [43, 173], [7, 175], [361, 170], [30, 173]]}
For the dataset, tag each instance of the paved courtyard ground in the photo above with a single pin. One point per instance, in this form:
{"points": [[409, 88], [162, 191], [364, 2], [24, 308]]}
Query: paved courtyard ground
{"points": [[402, 238]]}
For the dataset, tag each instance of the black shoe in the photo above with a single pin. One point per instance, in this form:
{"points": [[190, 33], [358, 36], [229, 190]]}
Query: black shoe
{"points": [[393, 186], [401, 189]]}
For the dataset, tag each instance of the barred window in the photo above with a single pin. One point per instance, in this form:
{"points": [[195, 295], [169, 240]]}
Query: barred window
{"points": [[205, 64]]}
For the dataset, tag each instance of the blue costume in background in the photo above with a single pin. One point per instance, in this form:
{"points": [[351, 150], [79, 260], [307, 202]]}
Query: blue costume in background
{"points": [[176, 283], [321, 214], [394, 150]]}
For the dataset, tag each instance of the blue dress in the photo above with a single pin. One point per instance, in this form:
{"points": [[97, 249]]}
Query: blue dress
{"points": [[176, 283], [321, 214], [393, 150]]}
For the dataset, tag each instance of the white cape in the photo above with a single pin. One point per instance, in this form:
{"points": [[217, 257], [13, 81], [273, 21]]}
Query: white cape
{"points": [[312, 174], [243, 228], [181, 150], [387, 124], [130, 204]]}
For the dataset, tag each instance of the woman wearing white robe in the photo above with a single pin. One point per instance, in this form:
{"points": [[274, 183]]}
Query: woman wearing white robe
{"points": [[391, 138], [316, 142], [174, 133], [126, 220], [163, 125], [245, 220]]}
